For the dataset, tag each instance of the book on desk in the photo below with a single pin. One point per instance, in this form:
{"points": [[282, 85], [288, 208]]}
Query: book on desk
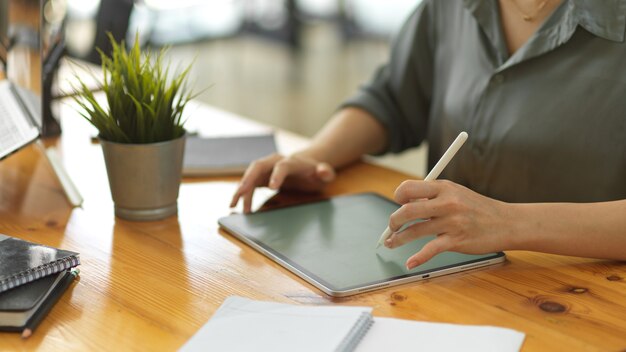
{"points": [[23, 307], [32, 279], [22, 262], [215, 156]]}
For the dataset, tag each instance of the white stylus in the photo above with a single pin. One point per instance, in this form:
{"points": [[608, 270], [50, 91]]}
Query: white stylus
{"points": [[434, 173]]}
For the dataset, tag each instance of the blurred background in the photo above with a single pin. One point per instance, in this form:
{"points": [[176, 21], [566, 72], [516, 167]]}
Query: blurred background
{"points": [[287, 63]]}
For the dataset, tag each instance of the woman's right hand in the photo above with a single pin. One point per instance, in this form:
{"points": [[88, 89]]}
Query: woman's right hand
{"points": [[296, 172]]}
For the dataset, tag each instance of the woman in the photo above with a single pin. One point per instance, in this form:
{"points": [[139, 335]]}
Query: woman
{"points": [[540, 86]]}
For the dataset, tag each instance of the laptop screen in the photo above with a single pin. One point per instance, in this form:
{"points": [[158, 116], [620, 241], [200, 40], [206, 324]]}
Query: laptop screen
{"points": [[27, 42]]}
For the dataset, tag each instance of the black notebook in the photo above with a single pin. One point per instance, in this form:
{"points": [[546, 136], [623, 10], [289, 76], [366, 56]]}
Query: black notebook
{"points": [[22, 262], [225, 155], [18, 305]]}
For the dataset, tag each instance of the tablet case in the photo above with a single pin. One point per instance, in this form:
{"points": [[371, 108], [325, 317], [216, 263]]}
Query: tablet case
{"points": [[332, 244]]}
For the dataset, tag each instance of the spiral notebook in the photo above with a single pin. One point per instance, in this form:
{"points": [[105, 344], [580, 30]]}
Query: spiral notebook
{"points": [[241, 324], [22, 261]]}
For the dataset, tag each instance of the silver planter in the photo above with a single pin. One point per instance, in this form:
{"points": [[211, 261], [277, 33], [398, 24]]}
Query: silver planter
{"points": [[144, 178]]}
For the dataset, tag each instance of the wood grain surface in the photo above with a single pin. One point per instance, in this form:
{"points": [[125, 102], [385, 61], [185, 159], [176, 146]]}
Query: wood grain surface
{"points": [[149, 286]]}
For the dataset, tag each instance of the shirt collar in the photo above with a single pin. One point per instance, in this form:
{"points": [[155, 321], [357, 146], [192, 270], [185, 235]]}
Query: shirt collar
{"points": [[486, 14], [603, 18]]}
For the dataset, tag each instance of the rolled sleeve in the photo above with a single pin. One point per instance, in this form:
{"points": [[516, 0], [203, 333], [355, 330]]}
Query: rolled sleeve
{"points": [[399, 93]]}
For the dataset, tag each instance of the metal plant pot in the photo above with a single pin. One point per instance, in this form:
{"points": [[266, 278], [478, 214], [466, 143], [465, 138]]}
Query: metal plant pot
{"points": [[144, 178]]}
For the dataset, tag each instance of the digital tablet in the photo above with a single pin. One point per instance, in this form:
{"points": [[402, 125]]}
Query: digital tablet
{"points": [[332, 244]]}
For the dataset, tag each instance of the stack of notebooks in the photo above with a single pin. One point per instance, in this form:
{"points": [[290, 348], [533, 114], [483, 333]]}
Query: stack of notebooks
{"points": [[241, 324], [32, 279]]}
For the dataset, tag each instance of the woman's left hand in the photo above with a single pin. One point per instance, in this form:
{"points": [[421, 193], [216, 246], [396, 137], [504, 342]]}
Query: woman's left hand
{"points": [[463, 220]]}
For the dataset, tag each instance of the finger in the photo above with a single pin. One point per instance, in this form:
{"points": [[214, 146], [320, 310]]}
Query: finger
{"points": [[235, 200], [414, 232], [245, 186], [325, 172], [280, 172], [412, 211], [258, 168], [292, 166], [431, 249], [247, 201], [413, 189], [252, 176], [244, 190]]}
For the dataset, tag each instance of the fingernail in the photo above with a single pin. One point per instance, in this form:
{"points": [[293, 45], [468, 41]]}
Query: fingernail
{"points": [[410, 265], [272, 183], [388, 243]]}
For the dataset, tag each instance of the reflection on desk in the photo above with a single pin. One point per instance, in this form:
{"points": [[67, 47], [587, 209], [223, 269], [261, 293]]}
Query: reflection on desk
{"points": [[151, 286]]}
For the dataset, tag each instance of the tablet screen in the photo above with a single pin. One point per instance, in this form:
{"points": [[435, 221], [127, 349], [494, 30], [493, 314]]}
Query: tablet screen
{"points": [[334, 241]]}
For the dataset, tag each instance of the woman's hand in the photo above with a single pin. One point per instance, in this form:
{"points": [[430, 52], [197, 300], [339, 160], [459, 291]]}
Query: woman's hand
{"points": [[297, 172], [463, 220]]}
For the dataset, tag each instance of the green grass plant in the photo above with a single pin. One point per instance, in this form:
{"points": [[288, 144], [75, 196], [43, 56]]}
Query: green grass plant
{"points": [[142, 105]]}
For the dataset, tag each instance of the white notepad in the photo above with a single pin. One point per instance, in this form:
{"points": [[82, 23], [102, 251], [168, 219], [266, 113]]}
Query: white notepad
{"points": [[241, 324]]}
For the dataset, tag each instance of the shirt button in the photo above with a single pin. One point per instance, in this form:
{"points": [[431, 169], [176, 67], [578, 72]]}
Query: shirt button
{"points": [[499, 78]]}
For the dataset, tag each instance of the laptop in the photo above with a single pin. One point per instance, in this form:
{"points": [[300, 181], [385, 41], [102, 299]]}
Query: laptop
{"points": [[18, 122], [32, 45]]}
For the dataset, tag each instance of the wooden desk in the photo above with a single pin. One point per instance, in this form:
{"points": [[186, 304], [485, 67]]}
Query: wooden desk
{"points": [[150, 286]]}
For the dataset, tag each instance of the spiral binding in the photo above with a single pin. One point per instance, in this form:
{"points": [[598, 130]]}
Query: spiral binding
{"points": [[39, 272], [356, 334]]}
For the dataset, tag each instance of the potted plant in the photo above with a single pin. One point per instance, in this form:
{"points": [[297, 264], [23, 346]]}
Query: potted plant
{"points": [[140, 129]]}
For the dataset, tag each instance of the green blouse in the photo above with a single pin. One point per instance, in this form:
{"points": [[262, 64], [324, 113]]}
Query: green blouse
{"points": [[547, 123]]}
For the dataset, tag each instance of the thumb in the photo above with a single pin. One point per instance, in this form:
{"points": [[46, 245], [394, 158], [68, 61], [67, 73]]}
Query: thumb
{"points": [[325, 172]]}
